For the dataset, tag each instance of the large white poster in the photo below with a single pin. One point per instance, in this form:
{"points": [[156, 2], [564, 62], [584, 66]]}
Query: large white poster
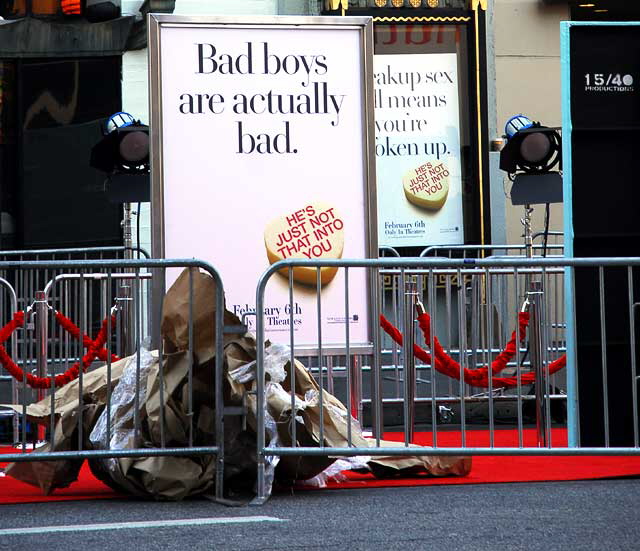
{"points": [[418, 150], [264, 158]]}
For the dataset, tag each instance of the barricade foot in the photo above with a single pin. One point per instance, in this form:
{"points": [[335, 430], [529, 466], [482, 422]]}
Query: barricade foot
{"points": [[256, 501]]}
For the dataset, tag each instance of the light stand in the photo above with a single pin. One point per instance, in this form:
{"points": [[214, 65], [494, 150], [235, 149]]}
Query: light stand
{"points": [[534, 304], [123, 153], [124, 298], [126, 189], [530, 155]]}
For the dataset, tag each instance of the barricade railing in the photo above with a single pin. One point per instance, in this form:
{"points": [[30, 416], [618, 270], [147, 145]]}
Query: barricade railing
{"points": [[551, 245], [535, 367], [25, 288], [447, 296], [74, 253], [485, 302], [59, 343], [486, 251], [554, 294]]}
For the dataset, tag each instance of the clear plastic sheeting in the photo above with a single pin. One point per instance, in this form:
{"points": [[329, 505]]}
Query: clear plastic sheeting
{"points": [[302, 409], [271, 429], [334, 472], [122, 413], [275, 358]]}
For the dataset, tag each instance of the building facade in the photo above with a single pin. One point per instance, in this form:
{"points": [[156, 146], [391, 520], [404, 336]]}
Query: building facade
{"points": [[515, 58]]}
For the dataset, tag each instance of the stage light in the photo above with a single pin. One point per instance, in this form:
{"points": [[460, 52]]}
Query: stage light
{"points": [[123, 153], [530, 155], [124, 148], [134, 147], [531, 148]]}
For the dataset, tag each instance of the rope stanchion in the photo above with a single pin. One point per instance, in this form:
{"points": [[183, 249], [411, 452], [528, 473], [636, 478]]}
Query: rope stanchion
{"points": [[95, 350], [478, 377]]}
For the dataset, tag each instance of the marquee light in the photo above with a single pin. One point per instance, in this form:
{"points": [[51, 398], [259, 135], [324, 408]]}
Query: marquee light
{"points": [[336, 4], [412, 3]]}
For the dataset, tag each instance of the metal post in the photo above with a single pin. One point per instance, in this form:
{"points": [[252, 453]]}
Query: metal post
{"points": [[41, 338], [124, 302], [537, 363], [528, 241], [410, 296], [41, 311], [126, 231], [356, 387], [528, 235], [377, 413], [534, 304], [15, 395], [124, 293]]}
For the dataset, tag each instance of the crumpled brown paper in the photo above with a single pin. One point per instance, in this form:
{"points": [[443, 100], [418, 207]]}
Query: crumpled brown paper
{"points": [[49, 475], [136, 475], [175, 316], [175, 478], [94, 391], [434, 465], [334, 422], [335, 433]]}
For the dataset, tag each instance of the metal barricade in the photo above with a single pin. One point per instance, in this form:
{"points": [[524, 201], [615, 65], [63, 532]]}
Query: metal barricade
{"points": [[57, 333], [486, 251], [502, 293], [488, 302], [506, 313], [25, 288]]}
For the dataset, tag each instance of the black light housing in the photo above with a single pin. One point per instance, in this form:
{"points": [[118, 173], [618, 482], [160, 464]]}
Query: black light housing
{"points": [[532, 150], [531, 154], [123, 153], [124, 148]]}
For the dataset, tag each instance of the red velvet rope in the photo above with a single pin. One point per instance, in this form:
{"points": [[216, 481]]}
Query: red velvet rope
{"points": [[95, 350], [478, 377]]}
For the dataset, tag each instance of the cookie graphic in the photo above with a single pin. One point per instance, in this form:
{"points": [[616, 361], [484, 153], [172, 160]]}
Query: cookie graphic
{"points": [[315, 231], [427, 186]]}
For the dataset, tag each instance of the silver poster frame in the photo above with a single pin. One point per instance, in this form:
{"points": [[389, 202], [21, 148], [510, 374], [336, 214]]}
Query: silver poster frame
{"points": [[156, 22]]}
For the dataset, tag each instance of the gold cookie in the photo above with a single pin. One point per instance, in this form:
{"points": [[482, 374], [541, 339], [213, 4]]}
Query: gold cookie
{"points": [[427, 186], [315, 231]]}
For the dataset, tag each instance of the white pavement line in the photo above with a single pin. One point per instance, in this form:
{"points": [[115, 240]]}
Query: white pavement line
{"points": [[137, 525]]}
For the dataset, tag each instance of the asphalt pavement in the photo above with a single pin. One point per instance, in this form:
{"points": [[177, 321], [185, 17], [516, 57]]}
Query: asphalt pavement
{"points": [[589, 515]]}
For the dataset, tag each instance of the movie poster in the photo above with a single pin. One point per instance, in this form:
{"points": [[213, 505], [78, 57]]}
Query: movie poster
{"points": [[418, 150], [263, 159]]}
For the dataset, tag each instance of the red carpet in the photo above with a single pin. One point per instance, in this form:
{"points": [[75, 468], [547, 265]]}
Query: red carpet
{"points": [[500, 469], [86, 487], [485, 470]]}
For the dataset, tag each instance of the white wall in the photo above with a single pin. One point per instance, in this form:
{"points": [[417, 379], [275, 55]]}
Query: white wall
{"points": [[226, 7], [527, 61], [527, 66]]}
